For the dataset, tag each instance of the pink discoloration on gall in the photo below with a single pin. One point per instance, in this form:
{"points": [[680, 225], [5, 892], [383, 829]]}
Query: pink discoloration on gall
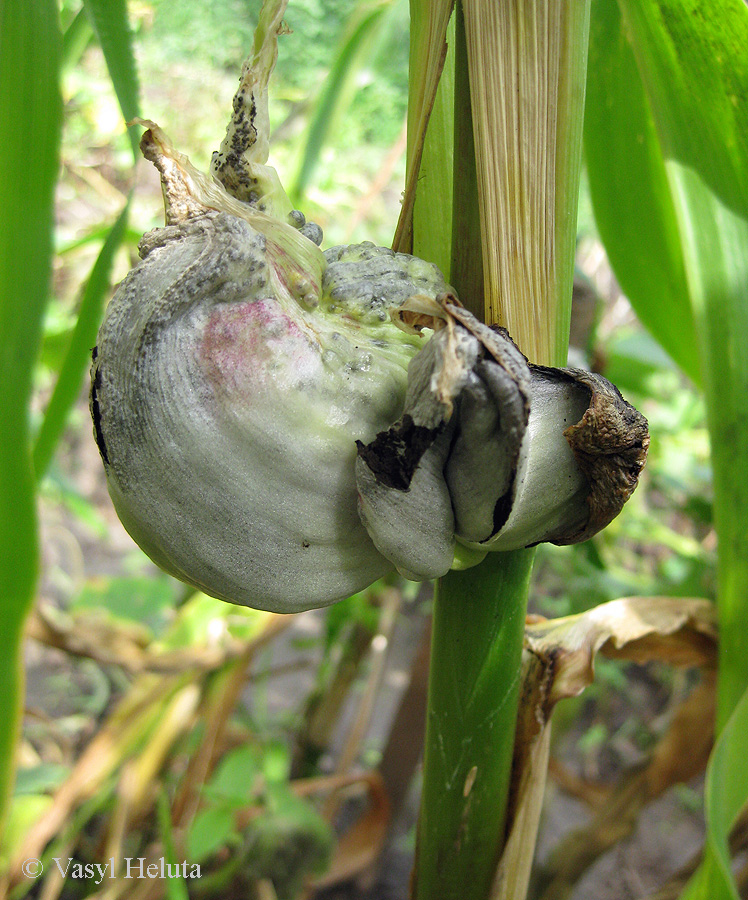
{"points": [[249, 347]]}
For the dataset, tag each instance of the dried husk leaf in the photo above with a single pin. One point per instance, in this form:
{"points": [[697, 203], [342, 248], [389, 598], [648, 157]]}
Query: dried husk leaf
{"points": [[297, 264], [240, 164], [527, 162], [529, 768], [361, 844]]}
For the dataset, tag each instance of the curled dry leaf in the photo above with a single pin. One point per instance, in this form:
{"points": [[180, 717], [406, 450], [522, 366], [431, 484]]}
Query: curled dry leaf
{"points": [[558, 662], [678, 630]]}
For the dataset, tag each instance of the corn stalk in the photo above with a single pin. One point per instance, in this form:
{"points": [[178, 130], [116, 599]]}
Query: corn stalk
{"points": [[519, 74]]}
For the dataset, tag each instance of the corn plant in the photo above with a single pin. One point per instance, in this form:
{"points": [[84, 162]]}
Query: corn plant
{"points": [[657, 158]]}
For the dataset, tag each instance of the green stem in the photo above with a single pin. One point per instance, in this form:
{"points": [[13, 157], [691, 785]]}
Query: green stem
{"points": [[519, 70], [466, 268], [479, 620]]}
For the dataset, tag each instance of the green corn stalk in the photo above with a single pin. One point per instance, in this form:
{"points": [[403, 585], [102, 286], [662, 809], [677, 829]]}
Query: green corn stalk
{"points": [[519, 73]]}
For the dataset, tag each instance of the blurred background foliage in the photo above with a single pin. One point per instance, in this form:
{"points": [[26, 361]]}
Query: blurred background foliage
{"points": [[157, 718]]}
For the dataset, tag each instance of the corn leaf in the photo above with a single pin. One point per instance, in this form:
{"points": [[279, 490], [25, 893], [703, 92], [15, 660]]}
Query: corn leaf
{"points": [[78, 353], [109, 20], [630, 193], [176, 889], [726, 783], [75, 40], [692, 62], [693, 66], [692, 59], [432, 214], [30, 112], [429, 21], [360, 34], [715, 244], [466, 265]]}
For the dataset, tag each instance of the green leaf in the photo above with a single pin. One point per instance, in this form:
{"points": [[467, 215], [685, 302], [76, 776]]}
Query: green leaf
{"points": [[25, 810], [41, 778], [631, 359], [430, 134], [432, 213], [99, 232], [716, 255], [692, 61], [354, 51], [78, 354], [235, 780], [725, 794], [109, 20], [30, 112], [176, 889], [276, 763], [147, 600], [630, 192], [210, 830], [197, 619], [75, 40]]}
